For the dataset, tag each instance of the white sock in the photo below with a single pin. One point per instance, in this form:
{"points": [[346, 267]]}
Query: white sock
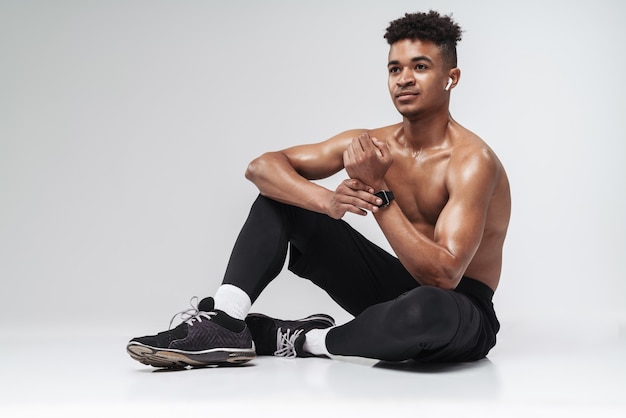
{"points": [[232, 300], [315, 342]]}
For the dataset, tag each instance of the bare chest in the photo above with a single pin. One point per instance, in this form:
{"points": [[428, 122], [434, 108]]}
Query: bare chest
{"points": [[419, 186]]}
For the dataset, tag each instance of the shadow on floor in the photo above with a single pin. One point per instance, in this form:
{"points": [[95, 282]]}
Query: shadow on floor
{"points": [[420, 367]]}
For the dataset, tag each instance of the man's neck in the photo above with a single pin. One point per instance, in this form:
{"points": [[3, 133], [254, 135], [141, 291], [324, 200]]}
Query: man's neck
{"points": [[420, 133]]}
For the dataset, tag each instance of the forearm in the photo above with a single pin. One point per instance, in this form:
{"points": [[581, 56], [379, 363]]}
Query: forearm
{"points": [[276, 178], [428, 262]]}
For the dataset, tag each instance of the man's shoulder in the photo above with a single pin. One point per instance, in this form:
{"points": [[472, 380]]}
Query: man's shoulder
{"points": [[471, 154], [380, 133], [385, 131], [468, 145]]}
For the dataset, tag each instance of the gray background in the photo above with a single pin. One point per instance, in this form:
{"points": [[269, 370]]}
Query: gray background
{"points": [[126, 126]]}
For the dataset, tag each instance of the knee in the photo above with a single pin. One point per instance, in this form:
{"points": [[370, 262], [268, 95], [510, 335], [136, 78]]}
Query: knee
{"points": [[265, 203], [425, 310], [267, 206], [265, 209]]}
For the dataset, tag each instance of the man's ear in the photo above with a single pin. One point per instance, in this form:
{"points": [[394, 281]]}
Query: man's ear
{"points": [[454, 75]]}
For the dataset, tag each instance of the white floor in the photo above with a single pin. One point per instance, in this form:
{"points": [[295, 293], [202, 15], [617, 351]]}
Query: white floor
{"points": [[536, 370]]}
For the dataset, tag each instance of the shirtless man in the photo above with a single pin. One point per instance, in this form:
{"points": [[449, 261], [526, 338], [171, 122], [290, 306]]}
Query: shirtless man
{"points": [[440, 196]]}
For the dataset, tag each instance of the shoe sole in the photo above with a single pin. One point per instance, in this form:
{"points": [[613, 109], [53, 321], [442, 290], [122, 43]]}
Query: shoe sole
{"points": [[326, 319], [179, 359]]}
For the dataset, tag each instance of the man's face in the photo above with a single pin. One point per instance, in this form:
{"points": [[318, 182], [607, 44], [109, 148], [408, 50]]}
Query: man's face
{"points": [[417, 77]]}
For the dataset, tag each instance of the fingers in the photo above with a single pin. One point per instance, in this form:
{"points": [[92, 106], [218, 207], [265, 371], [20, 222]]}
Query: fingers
{"points": [[358, 150], [356, 210], [365, 143], [355, 184], [367, 159], [354, 196], [381, 146], [359, 195]]}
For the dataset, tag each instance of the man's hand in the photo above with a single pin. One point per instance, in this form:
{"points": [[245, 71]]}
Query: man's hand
{"points": [[352, 196], [367, 159]]}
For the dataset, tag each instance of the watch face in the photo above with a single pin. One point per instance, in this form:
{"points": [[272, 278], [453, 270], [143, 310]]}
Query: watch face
{"points": [[383, 195], [386, 196]]}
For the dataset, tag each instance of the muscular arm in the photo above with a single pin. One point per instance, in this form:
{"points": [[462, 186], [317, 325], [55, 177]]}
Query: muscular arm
{"points": [[286, 176], [442, 260]]}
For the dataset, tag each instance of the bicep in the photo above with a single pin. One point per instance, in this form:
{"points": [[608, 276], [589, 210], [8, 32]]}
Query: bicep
{"points": [[320, 160], [461, 224]]}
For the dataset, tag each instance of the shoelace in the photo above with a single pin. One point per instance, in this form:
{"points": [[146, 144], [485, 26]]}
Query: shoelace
{"points": [[192, 314], [286, 343]]}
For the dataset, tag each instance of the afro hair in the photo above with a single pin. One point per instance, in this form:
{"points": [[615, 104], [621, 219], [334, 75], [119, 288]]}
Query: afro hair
{"points": [[431, 26]]}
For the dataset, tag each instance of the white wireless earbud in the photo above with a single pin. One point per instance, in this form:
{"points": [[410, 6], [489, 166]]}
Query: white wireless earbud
{"points": [[449, 84]]}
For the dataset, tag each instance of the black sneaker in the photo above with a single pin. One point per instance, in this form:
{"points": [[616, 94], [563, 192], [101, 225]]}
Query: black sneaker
{"points": [[276, 337], [207, 337]]}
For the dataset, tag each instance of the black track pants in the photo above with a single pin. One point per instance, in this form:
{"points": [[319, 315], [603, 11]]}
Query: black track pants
{"points": [[395, 318]]}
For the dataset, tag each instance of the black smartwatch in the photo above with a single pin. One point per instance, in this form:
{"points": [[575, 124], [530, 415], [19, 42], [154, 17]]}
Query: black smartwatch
{"points": [[386, 196]]}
